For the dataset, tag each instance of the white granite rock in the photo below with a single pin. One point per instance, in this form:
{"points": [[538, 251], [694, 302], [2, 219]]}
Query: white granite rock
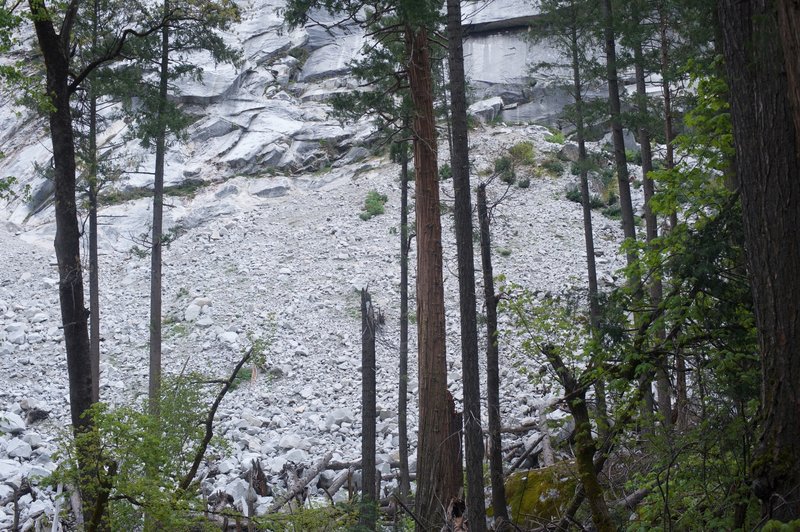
{"points": [[11, 423], [17, 448]]}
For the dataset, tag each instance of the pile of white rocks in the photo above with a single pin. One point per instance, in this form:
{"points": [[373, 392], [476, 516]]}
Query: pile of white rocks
{"points": [[284, 268]]}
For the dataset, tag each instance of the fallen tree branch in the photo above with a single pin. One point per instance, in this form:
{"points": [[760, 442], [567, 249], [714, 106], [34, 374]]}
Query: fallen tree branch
{"points": [[209, 423], [295, 490]]}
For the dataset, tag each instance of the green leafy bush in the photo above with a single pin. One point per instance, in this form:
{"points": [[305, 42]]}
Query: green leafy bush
{"points": [[522, 152], [613, 211], [553, 166], [140, 459], [556, 137], [525, 182], [445, 172], [373, 205], [573, 193], [504, 168], [634, 157]]}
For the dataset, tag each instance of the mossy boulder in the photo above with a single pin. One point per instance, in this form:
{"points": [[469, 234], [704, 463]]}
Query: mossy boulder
{"points": [[537, 496]]}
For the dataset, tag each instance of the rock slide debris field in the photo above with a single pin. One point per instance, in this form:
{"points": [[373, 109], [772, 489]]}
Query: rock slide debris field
{"points": [[278, 258]]}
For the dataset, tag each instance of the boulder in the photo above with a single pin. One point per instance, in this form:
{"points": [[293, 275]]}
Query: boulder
{"points": [[486, 110], [338, 416], [8, 468], [192, 312], [569, 152], [229, 337], [11, 423], [271, 188], [18, 448]]}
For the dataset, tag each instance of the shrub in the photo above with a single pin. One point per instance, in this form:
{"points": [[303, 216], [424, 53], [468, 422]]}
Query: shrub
{"points": [[613, 211], [573, 193], [143, 459], [525, 182], [553, 166], [556, 137], [522, 152], [445, 172], [373, 205], [504, 167], [634, 157]]}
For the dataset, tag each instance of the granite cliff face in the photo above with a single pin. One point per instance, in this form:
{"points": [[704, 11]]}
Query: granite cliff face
{"points": [[268, 116]]}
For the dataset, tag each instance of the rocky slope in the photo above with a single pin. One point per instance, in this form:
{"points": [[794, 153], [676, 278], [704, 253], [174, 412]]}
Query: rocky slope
{"points": [[269, 244], [280, 259]]}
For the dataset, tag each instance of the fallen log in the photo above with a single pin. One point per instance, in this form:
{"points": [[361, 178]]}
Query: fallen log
{"points": [[295, 488]]}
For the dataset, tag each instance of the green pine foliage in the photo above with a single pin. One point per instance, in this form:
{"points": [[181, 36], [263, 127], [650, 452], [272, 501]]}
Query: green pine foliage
{"points": [[373, 205]]}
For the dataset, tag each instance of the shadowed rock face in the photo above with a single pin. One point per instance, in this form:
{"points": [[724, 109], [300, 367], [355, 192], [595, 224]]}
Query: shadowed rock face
{"points": [[269, 113]]}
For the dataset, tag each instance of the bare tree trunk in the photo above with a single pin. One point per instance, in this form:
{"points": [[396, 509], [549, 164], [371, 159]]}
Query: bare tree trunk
{"points": [[154, 388], [767, 167], [789, 25], [368, 514], [94, 273], [615, 108], [492, 368], [436, 483], [620, 159], [55, 49], [588, 232], [656, 289], [459, 162], [402, 408]]}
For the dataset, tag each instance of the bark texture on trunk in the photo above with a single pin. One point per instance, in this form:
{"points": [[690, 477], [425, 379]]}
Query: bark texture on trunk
{"points": [[369, 495], [492, 369], [402, 407], [74, 316], [154, 385], [459, 162], [656, 289], [789, 25], [436, 462], [94, 263], [767, 168]]}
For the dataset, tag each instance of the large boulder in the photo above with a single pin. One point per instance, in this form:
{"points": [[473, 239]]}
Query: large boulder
{"points": [[486, 110]]}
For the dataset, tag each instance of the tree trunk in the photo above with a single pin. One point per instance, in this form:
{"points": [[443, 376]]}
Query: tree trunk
{"points": [[94, 185], [154, 388], [459, 162], [588, 231], [67, 240], [651, 223], [767, 168], [55, 50], [402, 407], [369, 495], [615, 109], [789, 25], [620, 159], [584, 442], [681, 390], [94, 273], [492, 368], [436, 484]]}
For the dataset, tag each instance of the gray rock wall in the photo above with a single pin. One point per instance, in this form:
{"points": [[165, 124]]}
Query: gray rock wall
{"points": [[269, 114]]}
